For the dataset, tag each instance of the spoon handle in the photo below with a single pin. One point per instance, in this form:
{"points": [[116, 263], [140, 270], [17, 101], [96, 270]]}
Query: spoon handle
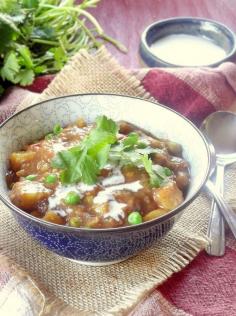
{"points": [[216, 232], [225, 209], [220, 178], [216, 227]]}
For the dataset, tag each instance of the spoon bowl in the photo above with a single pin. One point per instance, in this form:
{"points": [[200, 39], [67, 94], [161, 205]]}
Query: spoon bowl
{"points": [[220, 128]]}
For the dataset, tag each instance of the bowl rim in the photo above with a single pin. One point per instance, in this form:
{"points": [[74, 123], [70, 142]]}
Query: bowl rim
{"points": [[145, 48], [141, 226]]}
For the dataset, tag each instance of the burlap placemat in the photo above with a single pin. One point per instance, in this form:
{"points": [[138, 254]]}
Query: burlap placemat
{"points": [[114, 289]]}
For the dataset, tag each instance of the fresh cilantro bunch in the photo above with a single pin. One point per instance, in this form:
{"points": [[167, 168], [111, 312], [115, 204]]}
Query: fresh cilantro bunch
{"points": [[39, 36], [84, 162]]}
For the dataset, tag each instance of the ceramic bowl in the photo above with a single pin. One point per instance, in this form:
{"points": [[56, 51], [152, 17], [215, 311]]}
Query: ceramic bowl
{"points": [[101, 246], [213, 31]]}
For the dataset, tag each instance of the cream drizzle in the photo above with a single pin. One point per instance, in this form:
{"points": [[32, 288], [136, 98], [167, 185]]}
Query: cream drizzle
{"points": [[115, 208], [107, 194], [115, 178], [144, 139], [75, 130], [33, 187], [60, 146], [61, 192]]}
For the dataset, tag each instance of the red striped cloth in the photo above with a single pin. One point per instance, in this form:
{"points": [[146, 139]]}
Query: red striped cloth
{"points": [[208, 285]]}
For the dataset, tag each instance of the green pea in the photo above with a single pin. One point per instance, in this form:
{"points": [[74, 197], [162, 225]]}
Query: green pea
{"points": [[168, 172], [50, 179], [49, 136], [135, 218], [31, 177], [57, 129], [74, 222], [72, 198]]}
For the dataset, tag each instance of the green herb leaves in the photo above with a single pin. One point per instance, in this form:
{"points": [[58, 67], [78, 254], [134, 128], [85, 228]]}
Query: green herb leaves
{"points": [[57, 129], [130, 141], [82, 163], [30, 4], [107, 125], [42, 35], [100, 139], [17, 66], [155, 180], [77, 166], [132, 151], [157, 173], [10, 67]]}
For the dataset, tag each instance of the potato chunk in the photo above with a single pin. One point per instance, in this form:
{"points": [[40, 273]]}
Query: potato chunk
{"points": [[27, 194], [54, 218], [154, 214], [168, 197], [18, 158]]}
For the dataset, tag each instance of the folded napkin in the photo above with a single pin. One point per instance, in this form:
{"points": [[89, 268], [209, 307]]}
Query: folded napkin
{"points": [[116, 289], [194, 92]]}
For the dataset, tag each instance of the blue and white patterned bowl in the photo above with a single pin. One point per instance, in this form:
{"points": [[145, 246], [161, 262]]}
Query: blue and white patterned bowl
{"points": [[101, 246]]}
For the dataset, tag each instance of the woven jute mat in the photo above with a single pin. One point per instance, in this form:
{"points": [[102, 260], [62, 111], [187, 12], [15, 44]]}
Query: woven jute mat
{"points": [[115, 289]]}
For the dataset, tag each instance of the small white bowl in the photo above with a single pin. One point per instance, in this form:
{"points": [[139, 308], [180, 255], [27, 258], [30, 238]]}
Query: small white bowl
{"points": [[215, 32]]}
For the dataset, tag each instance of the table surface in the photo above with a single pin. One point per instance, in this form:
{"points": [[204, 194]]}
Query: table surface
{"points": [[125, 20]]}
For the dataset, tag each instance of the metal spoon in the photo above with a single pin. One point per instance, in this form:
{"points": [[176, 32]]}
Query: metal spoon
{"points": [[220, 128], [216, 228]]}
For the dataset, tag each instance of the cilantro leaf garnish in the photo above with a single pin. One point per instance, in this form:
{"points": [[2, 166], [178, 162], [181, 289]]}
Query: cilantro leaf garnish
{"points": [[107, 125], [139, 158], [130, 141], [100, 139], [155, 179], [83, 162], [79, 166], [162, 172]]}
